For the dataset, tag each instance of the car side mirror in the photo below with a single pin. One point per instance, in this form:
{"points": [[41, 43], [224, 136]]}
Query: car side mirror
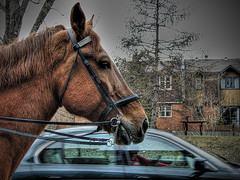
{"points": [[200, 164], [199, 167]]}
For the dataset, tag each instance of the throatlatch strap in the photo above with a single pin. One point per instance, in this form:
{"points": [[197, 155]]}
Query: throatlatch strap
{"points": [[76, 46]]}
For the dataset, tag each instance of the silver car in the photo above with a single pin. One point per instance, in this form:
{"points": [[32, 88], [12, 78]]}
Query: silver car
{"points": [[160, 156]]}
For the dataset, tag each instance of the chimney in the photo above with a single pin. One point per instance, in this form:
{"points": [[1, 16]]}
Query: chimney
{"points": [[196, 58], [225, 58]]}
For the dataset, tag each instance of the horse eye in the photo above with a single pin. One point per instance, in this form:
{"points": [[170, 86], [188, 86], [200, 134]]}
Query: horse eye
{"points": [[105, 65]]}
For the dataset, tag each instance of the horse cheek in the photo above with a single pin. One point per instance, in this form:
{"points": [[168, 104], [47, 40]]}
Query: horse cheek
{"points": [[81, 101]]}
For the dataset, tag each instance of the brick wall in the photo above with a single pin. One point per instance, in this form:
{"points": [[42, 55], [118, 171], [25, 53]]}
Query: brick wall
{"points": [[62, 115], [174, 123]]}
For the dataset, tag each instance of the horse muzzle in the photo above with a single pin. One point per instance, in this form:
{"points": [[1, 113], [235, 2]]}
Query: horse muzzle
{"points": [[126, 133]]}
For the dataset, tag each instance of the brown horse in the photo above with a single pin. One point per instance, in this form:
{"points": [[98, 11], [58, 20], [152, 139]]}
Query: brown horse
{"points": [[33, 75]]}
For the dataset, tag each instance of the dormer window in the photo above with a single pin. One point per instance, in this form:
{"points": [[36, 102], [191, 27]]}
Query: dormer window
{"points": [[230, 83]]}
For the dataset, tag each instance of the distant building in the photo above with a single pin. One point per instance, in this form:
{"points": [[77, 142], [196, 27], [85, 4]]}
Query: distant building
{"points": [[200, 90]]}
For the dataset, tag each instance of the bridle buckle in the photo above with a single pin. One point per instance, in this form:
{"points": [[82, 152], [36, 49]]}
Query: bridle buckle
{"points": [[116, 121], [110, 142]]}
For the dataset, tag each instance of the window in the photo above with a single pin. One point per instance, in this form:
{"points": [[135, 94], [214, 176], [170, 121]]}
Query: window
{"points": [[165, 111], [158, 152], [231, 115], [154, 151], [67, 153], [165, 82], [198, 83], [198, 111], [230, 83]]}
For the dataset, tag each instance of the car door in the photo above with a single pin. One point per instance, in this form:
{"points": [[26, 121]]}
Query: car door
{"points": [[158, 157]]}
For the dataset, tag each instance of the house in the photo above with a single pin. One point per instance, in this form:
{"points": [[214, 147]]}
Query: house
{"points": [[199, 90]]}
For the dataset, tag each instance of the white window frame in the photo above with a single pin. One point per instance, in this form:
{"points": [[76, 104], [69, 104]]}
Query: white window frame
{"points": [[165, 82], [164, 111], [198, 84], [230, 82]]}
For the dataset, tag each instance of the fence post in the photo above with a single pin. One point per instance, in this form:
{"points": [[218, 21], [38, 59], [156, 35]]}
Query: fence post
{"points": [[233, 129], [201, 128], [186, 124], [186, 127]]}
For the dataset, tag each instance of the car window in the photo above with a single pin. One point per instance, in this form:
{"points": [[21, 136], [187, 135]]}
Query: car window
{"points": [[158, 152], [179, 159], [66, 153], [77, 154], [153, 151]]}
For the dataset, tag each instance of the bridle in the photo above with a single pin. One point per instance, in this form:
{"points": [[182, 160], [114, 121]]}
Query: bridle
{"points": [[105, 95], [111, 105]]}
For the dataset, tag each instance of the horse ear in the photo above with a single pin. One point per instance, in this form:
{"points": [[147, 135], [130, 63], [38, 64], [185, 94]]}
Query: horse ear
{"points": [[78, 20], [90, 22]]}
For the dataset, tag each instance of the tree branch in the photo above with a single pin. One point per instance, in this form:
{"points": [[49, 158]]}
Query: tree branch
{"points": [[23, 7], [1, 41], [43, 13], [7, 23], [58, 11], [2, 7], [38, 2]]}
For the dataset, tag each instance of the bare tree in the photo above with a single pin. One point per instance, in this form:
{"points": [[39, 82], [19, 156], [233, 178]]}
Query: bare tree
{"points": [[146, 29], [14, 11], [43, 13]]}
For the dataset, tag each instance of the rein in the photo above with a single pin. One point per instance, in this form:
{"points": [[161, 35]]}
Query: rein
{"points": [[111, 105]]}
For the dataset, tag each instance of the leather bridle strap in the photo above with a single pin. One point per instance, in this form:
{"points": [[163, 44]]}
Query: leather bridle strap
{"points": [[118, 103], [92, 141], [67, 81], [92, 74], [11, 119]]}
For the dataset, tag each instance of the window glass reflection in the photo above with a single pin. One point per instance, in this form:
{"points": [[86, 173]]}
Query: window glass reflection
{"points": [[153, 151]]}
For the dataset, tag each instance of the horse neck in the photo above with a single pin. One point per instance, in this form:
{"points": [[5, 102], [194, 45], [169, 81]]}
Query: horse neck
{"points": [[33, 99], [26, 88]]}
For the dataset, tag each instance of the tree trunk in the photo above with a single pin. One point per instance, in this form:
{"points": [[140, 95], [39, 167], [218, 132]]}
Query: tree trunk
{"points": [[14, 11], [43, 13], [155, 69], [13, 19], [154, 105]]}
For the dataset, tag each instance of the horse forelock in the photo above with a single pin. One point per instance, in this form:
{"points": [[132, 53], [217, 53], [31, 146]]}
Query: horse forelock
{"points": [[19, 61]]}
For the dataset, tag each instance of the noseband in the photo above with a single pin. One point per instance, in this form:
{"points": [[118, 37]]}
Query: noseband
{"points": [[107, 98]]}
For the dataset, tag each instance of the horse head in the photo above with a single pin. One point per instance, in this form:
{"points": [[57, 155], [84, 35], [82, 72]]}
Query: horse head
{"points": [[81, 95]]}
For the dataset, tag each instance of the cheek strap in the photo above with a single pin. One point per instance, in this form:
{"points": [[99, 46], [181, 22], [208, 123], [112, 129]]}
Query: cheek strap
{"points": [[76, 46]]}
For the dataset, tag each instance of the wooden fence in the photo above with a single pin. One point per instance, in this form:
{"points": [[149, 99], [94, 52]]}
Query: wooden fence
{"points": [[219, 130]]}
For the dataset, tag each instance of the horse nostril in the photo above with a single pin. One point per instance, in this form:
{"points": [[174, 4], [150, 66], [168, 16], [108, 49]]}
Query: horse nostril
{"points": [[145, 125]]}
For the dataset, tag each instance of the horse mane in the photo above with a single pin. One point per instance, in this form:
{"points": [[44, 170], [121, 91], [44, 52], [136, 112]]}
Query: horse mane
{"points": [[19, 61]]}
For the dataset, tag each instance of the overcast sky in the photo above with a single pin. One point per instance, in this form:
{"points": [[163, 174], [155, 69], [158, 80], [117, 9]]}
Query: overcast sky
{"points": [[217, 22]]}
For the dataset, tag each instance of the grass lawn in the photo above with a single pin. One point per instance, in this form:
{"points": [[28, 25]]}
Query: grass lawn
{"points": [[225, 146]]}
